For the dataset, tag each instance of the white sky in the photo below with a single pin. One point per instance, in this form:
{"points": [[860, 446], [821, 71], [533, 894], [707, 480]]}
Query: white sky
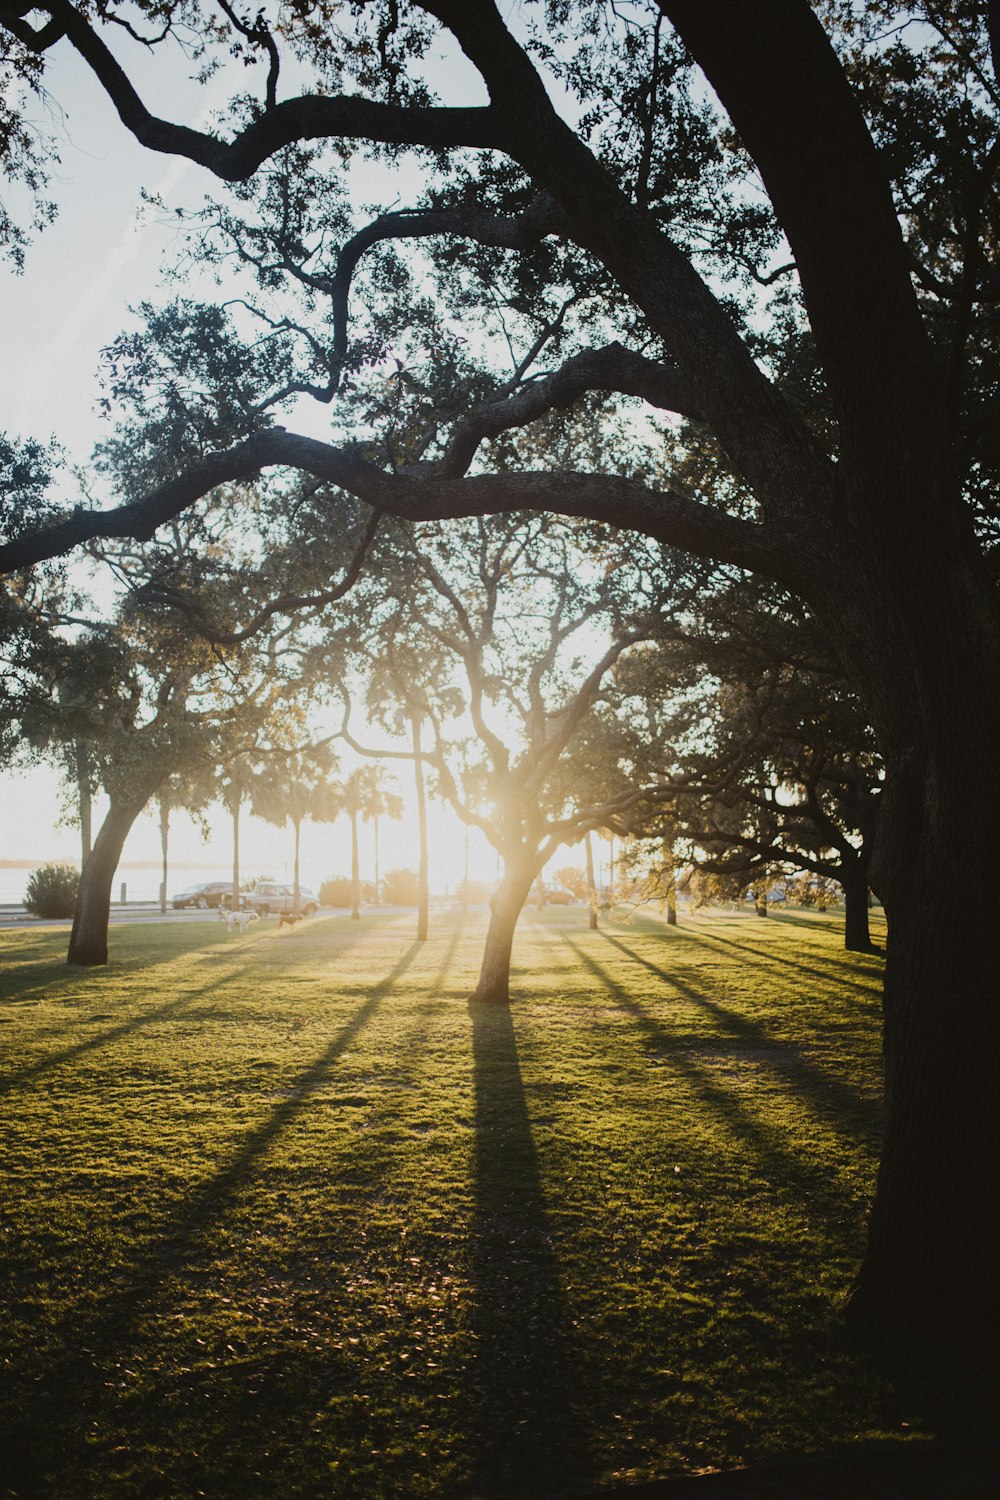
{"points": [[100, 257]]}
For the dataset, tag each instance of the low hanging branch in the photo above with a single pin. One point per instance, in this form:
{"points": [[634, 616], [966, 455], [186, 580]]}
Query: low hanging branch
{"points": [[614, 499]]}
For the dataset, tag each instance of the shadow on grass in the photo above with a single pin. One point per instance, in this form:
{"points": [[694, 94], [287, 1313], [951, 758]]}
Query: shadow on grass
{"points": [[837, 971], [807, 1077], [213, 955], [52, 1441], [170, 1011], [524, 1375], [833, 923], [789, 1171]]}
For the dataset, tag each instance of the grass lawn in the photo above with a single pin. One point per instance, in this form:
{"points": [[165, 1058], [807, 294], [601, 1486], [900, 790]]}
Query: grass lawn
{"points": [[282, 1217]]}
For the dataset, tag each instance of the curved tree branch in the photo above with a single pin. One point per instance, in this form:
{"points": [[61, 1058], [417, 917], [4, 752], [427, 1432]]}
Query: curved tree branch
{"points": [[308, 117], [616, 500], [522, 232], [611, 368]]}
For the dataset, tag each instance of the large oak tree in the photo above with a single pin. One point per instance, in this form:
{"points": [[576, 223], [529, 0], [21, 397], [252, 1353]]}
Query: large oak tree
{"points": [[862, 470]]}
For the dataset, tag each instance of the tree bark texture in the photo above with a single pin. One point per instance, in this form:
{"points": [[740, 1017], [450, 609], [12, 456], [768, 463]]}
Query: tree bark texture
{"points": [[508, 903], [88, 943]]}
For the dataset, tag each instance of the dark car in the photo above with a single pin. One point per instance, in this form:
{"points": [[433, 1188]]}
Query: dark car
{"points": [[210, 893], [556, 895]]}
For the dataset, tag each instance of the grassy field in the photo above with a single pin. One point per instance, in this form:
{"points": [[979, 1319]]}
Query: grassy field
{"points": [[282, 1216]]}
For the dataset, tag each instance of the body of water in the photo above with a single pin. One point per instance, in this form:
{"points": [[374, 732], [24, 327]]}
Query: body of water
{"points": [[141, 885]]}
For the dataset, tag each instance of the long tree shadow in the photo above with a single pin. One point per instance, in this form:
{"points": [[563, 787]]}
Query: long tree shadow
{"points": [[525, 1375], [833, 973], [821, 1087], [781, 1161], [51, 1060], [818, 924], [214, 957], [73, 1385]]}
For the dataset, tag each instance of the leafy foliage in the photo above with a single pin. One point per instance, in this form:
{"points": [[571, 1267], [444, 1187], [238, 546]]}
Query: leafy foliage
{"points": [[400, 887], [52, 891]]}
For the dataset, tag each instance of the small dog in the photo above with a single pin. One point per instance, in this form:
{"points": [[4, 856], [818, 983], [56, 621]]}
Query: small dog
{"points": [[288, 918], [240, 919]]}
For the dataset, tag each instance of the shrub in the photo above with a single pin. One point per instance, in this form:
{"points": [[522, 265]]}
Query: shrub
{"points": [[52, 891], [573, 879], [335, 892], [476, 892], [400, 888]]}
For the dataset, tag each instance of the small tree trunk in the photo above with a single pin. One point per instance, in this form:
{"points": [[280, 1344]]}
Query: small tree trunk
{"points": [[465, 875], [423, 882], [164, 844], [378, 894], [857, 938], [297, 825], [88, 943], [85, 800], [508, 903], [235, 897], [760, 897], [355, 871], [591, 888], [670, 882]]}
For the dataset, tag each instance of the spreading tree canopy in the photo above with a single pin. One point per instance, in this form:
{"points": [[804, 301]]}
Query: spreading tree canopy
{"points": [[777, 222]]}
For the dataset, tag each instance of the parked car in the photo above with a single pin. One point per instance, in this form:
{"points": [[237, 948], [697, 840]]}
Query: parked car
{"points": [[556, 895], [267, 896], [210, 893]]}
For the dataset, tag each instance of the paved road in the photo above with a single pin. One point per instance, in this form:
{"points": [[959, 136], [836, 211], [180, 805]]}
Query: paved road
{"points": [[121, 916]]}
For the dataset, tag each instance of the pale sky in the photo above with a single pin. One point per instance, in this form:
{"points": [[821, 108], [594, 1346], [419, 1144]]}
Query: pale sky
{"points": [[101, 256]]}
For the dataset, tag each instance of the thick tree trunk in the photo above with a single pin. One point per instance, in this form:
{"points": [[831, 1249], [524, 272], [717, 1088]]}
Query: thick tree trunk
{"points": [[930, 1269], [591, 888], [423, 878], [857, 938], [932, 680], [88, 943], [355, 871], [508, 903]]}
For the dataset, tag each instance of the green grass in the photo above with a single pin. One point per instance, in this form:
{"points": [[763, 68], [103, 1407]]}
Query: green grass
{"points": [[282, 1217]]}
